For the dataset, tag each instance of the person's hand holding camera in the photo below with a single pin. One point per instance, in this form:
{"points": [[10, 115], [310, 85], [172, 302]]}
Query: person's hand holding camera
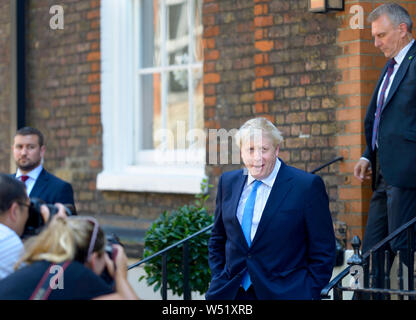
{"points": [[46, 214], [117, 268]]}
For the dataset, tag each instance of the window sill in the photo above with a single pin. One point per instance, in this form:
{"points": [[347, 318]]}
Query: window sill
{"points": [[168, 179]]}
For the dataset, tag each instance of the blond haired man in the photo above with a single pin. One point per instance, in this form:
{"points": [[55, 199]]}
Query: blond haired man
{"points": [[273, 236]]}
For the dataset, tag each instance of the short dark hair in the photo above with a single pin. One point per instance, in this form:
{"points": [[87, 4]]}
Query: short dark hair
{"points": [[396, 13], [27, 131], [11, 190]]}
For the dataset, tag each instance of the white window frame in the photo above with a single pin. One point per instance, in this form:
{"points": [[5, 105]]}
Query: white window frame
{"points": [[121, 172]]}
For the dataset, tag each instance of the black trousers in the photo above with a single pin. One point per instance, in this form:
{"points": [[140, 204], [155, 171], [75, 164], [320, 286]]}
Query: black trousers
{"points": [[390, 208]]}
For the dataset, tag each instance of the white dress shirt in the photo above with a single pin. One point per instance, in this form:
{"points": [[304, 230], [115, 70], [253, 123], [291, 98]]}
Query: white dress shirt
{"points": [[33, 176], [263, 193], [11, 249]]}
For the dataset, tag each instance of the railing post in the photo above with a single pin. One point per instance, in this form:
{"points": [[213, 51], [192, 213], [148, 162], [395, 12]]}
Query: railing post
{"points": [[410, 258], [356, 263], [400, 274], [185, 261], [165, 276], [387, 272]]}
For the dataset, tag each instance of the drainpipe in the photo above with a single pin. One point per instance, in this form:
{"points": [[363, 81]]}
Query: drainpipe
{"points": [[21, 62]]}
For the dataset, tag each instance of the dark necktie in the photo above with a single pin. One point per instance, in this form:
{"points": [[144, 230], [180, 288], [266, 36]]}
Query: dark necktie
{"points": [[381, 103], [24, 178]]}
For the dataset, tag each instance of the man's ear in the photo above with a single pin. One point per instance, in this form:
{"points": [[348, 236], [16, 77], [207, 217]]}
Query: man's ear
{"points": [[14, 211], [42, 151], [403, 29], [277, 150]]}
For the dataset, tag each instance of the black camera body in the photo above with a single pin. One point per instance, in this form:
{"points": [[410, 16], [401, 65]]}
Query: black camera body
{"points": [[35, 221], [111, 238]]}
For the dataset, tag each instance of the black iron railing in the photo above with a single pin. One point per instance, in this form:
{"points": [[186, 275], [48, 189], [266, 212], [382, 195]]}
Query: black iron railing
{"points": [[365, 269], [185, 264], [185, 258]]}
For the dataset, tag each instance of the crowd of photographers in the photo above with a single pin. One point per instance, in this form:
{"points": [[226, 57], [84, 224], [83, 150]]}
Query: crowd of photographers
{"points": [[47, 251]]}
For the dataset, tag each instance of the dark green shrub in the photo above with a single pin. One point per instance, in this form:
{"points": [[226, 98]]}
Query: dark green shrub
{"points": [[170, 228]]}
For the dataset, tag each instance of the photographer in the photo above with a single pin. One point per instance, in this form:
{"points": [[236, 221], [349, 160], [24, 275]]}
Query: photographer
{"points": [[75, 247], [14, 213]]}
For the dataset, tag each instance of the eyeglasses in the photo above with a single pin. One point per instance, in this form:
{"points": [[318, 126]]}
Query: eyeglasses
{"points": [[23, 204]]}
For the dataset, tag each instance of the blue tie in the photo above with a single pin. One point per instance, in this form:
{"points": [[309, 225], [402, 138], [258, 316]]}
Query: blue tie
{"points": [[246, 225]]}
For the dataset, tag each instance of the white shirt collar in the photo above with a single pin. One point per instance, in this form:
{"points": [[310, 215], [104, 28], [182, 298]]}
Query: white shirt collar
{"points": [[34, 174], [5, 230], [269, 181], [402, 54]]}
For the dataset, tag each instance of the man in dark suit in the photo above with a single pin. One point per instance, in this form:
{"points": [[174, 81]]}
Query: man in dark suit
{"points": [[273, 236], [390, 130], [28, 151]]}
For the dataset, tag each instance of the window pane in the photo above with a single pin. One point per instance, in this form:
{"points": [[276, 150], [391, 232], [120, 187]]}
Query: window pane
{"points": [[151, 113], [150, 34], [178, 108], [197, 50], [178, 39], [170, 98]]}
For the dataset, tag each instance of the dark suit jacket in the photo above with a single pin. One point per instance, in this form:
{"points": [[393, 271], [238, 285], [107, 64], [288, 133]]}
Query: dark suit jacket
{"points": [[51, 189], [292, 254], [397, 129]]}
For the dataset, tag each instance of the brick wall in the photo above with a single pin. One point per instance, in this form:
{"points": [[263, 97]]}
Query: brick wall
{"points": [[5, 85], [272, 58]]}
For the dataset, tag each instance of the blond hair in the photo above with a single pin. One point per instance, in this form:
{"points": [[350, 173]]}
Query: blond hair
{"points": [[64, 239], [258, 125]]}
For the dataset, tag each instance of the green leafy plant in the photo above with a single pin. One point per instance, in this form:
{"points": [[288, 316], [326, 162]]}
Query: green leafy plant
{"points": [[172, 227]]}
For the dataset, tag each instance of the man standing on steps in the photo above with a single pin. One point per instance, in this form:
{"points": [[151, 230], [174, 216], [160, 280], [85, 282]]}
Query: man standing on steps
{"points": [[390, 131], [28, 151]]}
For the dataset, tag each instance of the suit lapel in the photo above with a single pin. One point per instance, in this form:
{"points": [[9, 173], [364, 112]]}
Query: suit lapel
{"points": [[40, 184], [238, 185], [400, 73], [281, 187]]}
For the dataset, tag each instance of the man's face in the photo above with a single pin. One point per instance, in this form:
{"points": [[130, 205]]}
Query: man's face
{"points": [[388, 38], [27, 152], [259, 156]]}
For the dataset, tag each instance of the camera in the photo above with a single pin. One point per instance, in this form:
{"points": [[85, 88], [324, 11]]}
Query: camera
{"points": [[111, 238], [35, 221]]}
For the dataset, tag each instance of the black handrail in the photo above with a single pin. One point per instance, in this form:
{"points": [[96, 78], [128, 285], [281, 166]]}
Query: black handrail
{"points": [[163, 252], [337, 280], [327, 164], [176, 244]]}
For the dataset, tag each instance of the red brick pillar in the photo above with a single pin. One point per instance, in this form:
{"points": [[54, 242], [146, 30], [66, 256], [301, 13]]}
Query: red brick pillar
{"points": [[360, 64], [264, 94]]}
